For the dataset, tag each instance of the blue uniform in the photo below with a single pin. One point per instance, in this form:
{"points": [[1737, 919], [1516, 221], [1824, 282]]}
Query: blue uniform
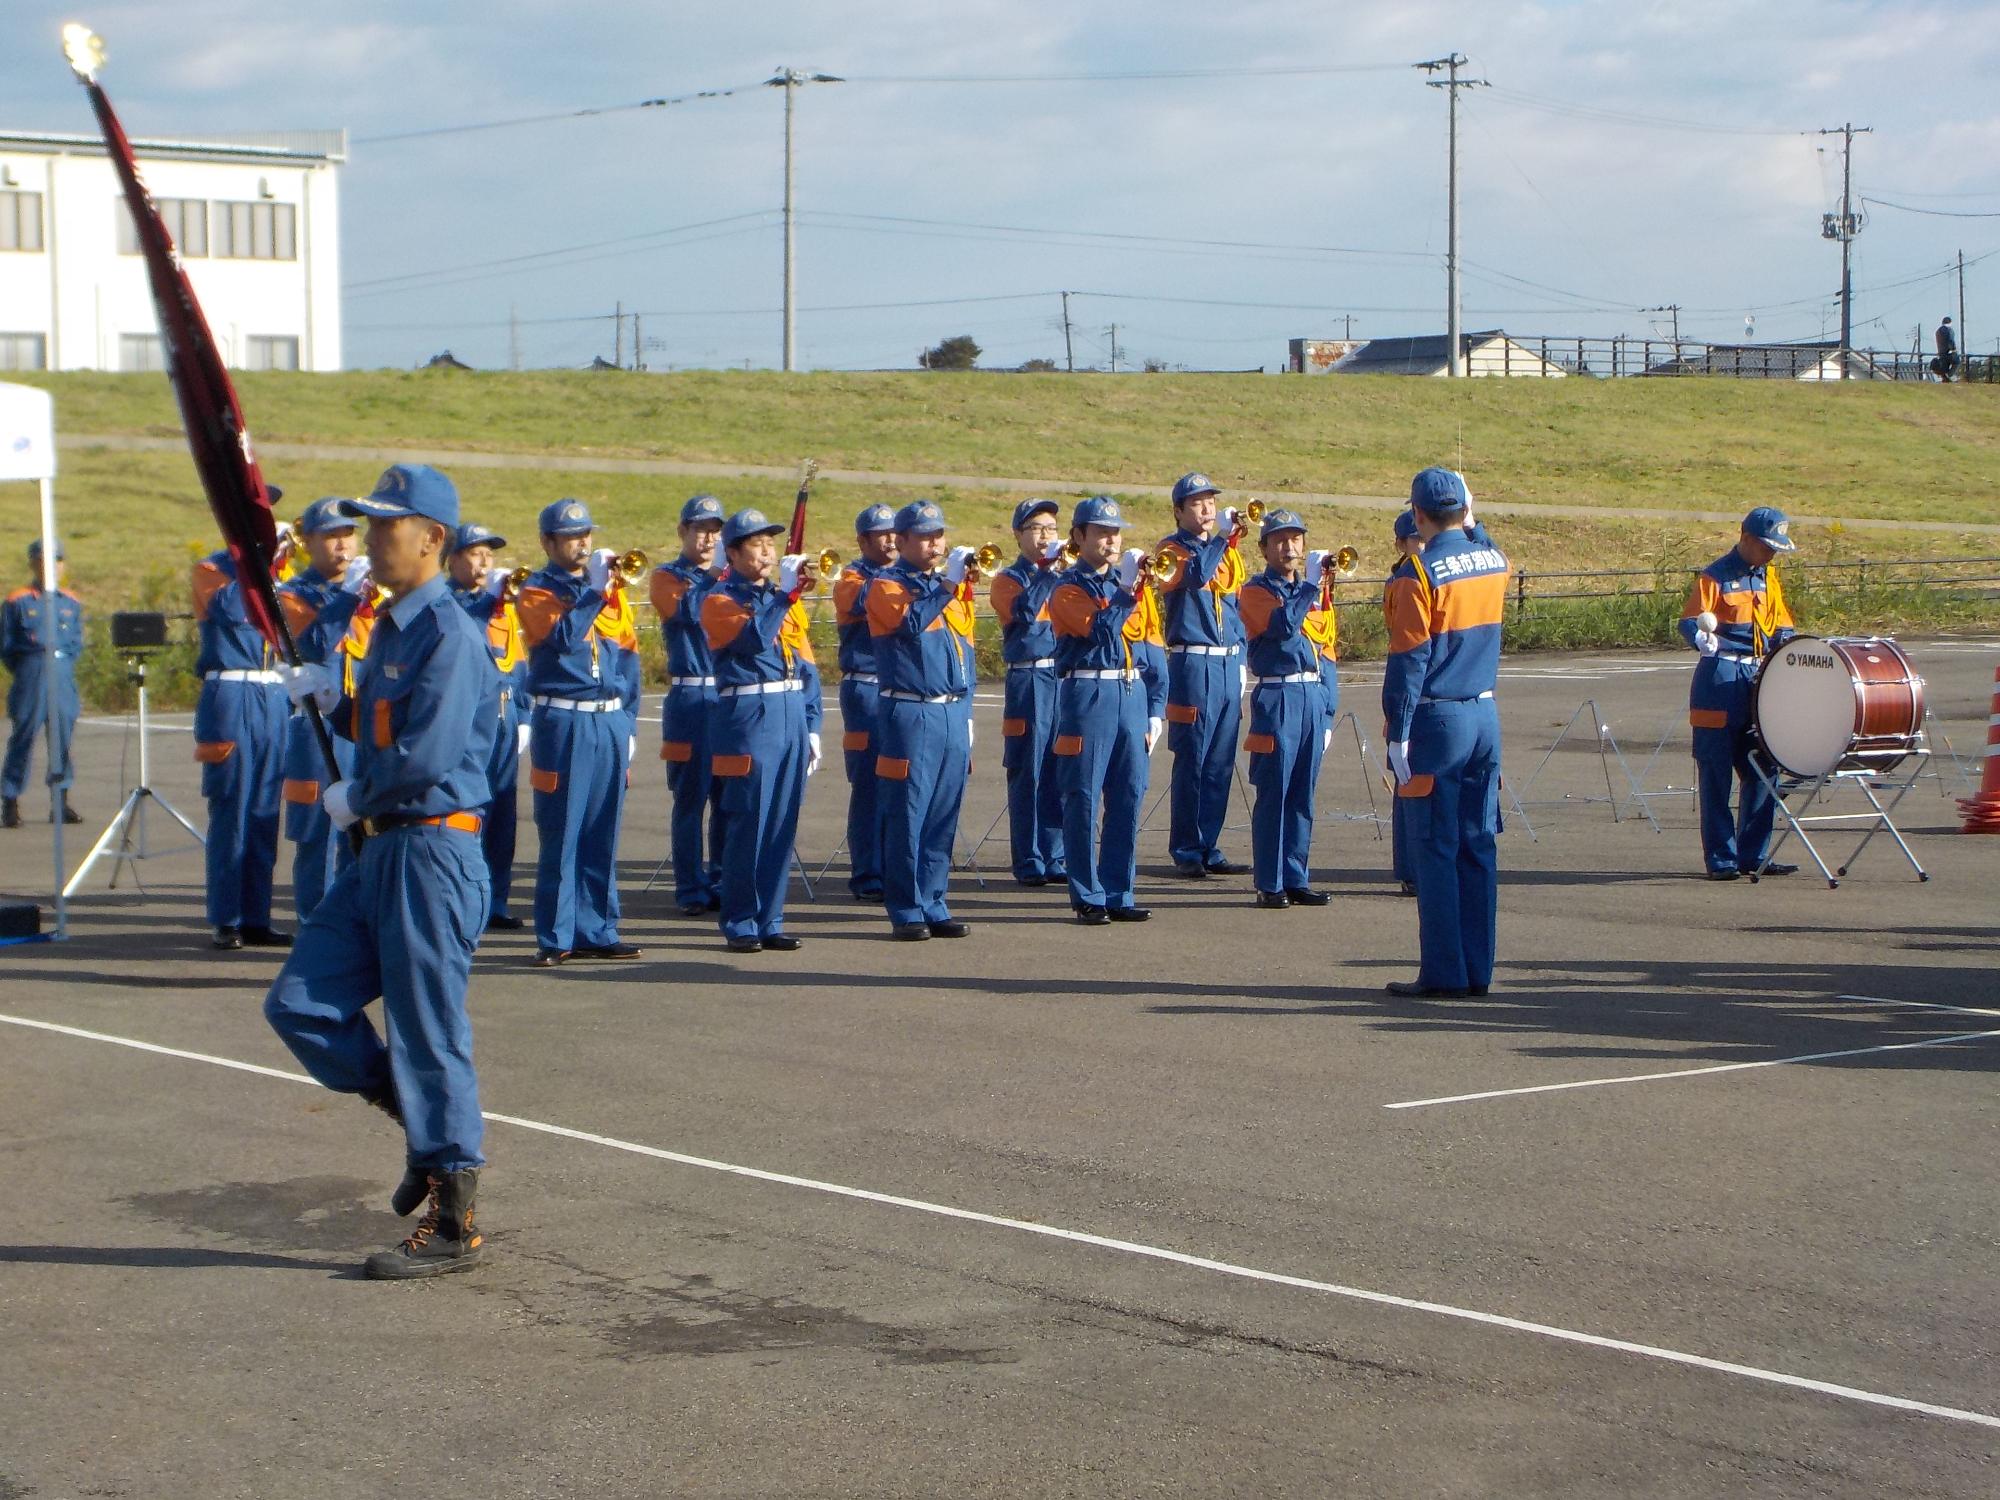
{"points": [[921, 628], [1751, 617], [35, 658], [403, 920], [686, 713], [319, 614], [860, 709], [1020, 596], [1288, 719], [1399, 826], [767, 701], [239, 732], [1437, 694], [1100, 735], [583, 683], [500, 830], [1204, 690]]}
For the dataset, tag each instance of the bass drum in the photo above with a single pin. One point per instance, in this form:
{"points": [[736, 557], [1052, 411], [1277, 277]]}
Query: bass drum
{"points": [[1826, 705]]}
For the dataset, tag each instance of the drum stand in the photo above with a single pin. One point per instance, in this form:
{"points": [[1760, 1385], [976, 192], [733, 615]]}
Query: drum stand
{"points": [[130, 819], [1676, 722], [1607, 751], [1879, 818]]}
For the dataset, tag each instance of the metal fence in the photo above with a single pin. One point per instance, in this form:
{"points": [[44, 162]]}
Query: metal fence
{"points": [[1617, 357]]}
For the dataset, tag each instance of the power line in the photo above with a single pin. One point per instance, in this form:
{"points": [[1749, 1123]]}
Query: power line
{"points": [[1128, 238], [696, 239], [1610, 116], [567, 114], [560, 250], [1939, 213], [1132, 75]]}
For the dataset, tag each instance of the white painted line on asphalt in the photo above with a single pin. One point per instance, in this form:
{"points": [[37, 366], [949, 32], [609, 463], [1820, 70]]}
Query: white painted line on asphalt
{"points": [[1127, 1247], [1963, 1010], [1769, 1062], [153, 721]]}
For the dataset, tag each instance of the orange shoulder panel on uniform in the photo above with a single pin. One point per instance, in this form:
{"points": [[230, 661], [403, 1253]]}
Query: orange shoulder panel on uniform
{"points": [[207, 579], [1257, 604], [1073, 610], [21, 593], [1004, 595], [1407, 607], [722, 618], [668, 587], [299, 612], [539, 610], [888, 602], [847, 595], [1467, 603], [1702, 597]]}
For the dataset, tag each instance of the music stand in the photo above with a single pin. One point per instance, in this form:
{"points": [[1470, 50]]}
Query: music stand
{"points": [[138, 635]]}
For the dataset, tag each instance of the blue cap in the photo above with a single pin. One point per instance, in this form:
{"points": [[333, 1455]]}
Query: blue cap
{"points": [[324, 515], [472, 534], [35, 550], [701, 508], [1276, 521], [1438, 491], [1189, 485], [921, 518], [408, 490], [1027, 510], [748, 523], [565, 518], [1098, 510], [875, 518], [1768, 524], [1406, 524]]}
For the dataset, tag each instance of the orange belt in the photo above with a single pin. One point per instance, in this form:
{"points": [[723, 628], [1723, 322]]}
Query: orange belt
{"points": [[464, 822]]}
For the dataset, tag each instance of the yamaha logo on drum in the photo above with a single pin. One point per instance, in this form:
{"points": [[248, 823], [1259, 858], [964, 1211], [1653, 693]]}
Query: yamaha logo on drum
{"points": [[1811, 659]]}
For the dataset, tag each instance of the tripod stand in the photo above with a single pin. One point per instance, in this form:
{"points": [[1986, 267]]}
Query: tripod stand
{"points": [[128, 824]]}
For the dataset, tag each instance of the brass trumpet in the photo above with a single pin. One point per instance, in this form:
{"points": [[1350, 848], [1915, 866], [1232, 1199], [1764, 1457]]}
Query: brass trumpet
{"points": [[1342, 564], [514, 580], [631, 566], [824, 567], [1161, 567]]}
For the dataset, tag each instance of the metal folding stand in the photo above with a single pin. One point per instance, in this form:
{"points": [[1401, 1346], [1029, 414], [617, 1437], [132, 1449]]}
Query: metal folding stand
{"points": [[1607, 752], [1676, 721], [1879, 817], [128, 824], [1373, 815], [1934, 733]]}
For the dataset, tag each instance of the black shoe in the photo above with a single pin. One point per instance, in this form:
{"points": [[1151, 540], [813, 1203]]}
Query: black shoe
{"points": [[1094, 916], [746, 945], [264, 937], [444, 1239], [504, 923], [548, 958], [1225, 867], [1414, 990], [783, 942], [950, 927], [1774, 868], [1058, 877], [694, 908], [1725, 874], [914, 932], [713, 905], [1408, 888], [871, 894], [609, 951], [1191, 869], [230, 938], [1273, 900], [1032, 882], [1477, 991], [10, 813], [1305, 895], [70, 814], [1129, 913]]}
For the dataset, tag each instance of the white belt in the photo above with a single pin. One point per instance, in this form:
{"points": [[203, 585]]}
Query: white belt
{"points": [[752, 689], [237, 674], [868, 677], [1114, 674], [1028, 666], [1295, 677], [1487, 694], [578, 705], [1732, 656], [918, 697], [1202, 650], [691, 682]]}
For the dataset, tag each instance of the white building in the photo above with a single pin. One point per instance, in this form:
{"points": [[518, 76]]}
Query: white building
{"points": [[256, 219]]}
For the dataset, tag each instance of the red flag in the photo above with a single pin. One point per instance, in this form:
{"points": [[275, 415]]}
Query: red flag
{"points": [[795, 543]]}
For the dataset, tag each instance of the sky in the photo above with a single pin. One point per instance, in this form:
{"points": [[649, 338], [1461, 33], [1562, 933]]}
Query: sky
{"points": [[1628, 154]]}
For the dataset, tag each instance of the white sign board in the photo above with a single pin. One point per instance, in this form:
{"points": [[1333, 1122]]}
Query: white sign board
{"points": [[27, 433]]}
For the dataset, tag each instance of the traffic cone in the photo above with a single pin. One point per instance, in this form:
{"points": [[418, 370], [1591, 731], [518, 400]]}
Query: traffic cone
{"points": [[1982, 813]]}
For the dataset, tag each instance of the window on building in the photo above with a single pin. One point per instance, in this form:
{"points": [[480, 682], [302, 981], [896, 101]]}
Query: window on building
{"points": [[186, 220], [23, 351], [20, 220], [263, 351], [141, 352], [256, 231]]}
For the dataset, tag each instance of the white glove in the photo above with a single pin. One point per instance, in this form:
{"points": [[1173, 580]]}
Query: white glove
{"points": [[1229, 521], [1053, 552], [788, 572], [1153, 727], [955, 564], [1326, 739], [338, 800], [970, 732], [496, 582], [812, 751], [1243, 679], [1706, 643], [521, 739], [631, 748], [1128, 568], [356, 579], [1316, 564], [1399, 760], [312, 681], [597, 572]]}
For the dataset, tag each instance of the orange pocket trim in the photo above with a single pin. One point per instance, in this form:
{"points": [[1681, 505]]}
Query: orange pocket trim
{"points": [[1069, 744], [1260, 744], [854, 739], [214, 752], [680, 752], [1182, 713], [544, 781], [384, 735], [1013, 728], [1709, 718], [729, 765], [890, 769], [1417, 786], [304, 793]]}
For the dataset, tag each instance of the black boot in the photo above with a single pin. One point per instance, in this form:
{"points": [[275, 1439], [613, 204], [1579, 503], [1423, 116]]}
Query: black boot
{"points": [[10, 812], [444, 1239], [70, 814]]}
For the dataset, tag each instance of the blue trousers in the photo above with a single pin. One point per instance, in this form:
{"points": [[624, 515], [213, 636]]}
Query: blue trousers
{"points": [[401, 922], [925, 757], [499, 833], [26, 711], [239, 731], [760, 765], [1287, 724], [1722, 752], [1399, 844], [1204, 716], [860, 710], [1034, 791], [686, 742], [1453, 810], [578, 775], [1101, 755], [318, 854]]}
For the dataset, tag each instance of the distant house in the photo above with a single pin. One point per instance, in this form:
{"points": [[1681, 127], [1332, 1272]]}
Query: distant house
{"points": [[1490, 353], [1318, 356], [1817, 359], [444, 361]]}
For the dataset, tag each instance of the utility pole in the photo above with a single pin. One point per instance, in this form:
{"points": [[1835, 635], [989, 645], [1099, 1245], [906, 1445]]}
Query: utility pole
{"points": [[1844, 226], [1455, 354], [1114, 348], [1669, 307], [638, 345], [1347, 331], [618, 338], [1069, 348], [513, 337], [1964, 344], [790, 80]]}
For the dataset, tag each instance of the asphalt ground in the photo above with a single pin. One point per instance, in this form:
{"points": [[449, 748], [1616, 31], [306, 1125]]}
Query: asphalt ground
{"points": [[1055, 1210]]}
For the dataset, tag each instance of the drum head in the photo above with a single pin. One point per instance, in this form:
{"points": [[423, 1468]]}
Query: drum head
{"points": [[1805, 706]]}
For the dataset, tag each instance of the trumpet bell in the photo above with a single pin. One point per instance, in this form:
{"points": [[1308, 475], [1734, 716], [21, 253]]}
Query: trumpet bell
{"points": [[987, 558], [1254, 512], [1346, 560], [828, 561], [1162, 567], [632, 565]]}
